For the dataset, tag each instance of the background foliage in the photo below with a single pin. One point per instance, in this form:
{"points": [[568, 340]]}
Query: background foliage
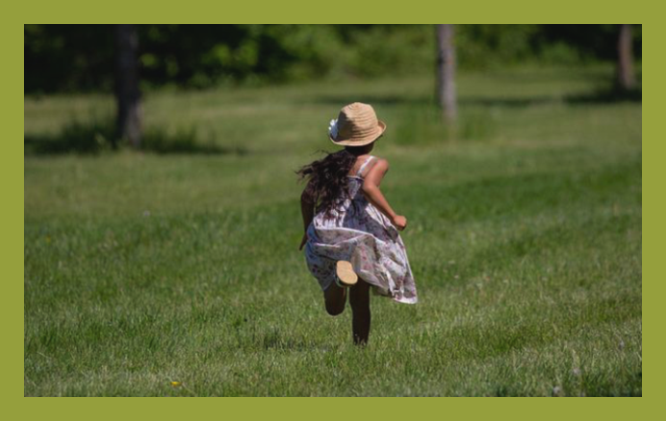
{"points": [[80, 57]]}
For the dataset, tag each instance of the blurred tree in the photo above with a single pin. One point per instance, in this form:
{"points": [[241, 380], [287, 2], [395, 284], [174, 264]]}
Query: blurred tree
{"points": [[128, 96], [80, 58], [626, 79], [446, 72]]}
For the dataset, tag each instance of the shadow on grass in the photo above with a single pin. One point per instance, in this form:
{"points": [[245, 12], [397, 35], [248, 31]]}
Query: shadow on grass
{"points": [[96, 137], [508, 102], [607, 96], [600, 96]]}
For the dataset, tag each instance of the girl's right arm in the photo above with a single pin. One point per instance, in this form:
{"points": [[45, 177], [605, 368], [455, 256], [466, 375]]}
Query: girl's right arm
{"points": [[371, 189]]}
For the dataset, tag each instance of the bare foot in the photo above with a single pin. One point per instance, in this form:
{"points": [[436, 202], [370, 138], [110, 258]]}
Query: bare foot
{"points": [[346, 277]]}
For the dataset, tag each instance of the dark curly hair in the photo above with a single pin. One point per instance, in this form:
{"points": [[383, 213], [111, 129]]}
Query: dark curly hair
{"points": [[327, 178]]}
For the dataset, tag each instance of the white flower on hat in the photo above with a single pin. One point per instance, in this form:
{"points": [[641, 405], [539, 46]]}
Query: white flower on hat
{"points": [[333, 128]]}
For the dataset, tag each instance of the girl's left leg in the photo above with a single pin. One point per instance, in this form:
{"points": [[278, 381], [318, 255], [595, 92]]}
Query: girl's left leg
{"points": [[334, 299], [359, 298]]}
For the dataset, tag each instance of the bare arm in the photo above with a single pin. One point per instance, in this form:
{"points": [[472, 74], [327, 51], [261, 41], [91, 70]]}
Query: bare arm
{"points": [[307, 211], [374, 195]]}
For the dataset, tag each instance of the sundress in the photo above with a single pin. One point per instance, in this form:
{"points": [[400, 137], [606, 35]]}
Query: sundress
{"points": [[358, 232]]}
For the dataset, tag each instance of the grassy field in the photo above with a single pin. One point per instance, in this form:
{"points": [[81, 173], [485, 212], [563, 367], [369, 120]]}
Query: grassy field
{"points": [[524, 238]]}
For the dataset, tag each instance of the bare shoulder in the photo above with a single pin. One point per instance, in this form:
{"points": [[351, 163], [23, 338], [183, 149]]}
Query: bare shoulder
{"points": [[382, 164], [377, 171]]}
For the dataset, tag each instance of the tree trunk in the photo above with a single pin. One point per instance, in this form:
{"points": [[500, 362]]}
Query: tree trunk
{"points": [[625, 59], [128, 96], [446, 72]]}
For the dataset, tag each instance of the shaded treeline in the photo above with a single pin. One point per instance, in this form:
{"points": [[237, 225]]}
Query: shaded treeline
{"points": [[73, 58]]}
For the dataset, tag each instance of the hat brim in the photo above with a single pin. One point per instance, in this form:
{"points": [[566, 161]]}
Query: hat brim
{"points": [[381, 128]]}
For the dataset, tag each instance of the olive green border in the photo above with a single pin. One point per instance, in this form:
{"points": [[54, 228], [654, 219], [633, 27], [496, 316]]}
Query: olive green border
{"points": [[292, 12]]}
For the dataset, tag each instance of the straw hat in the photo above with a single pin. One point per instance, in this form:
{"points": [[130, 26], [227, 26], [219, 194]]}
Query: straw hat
{"points": [[357, 125]]}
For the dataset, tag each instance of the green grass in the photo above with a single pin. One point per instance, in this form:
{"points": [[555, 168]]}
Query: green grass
{"points": [[524, 239]]}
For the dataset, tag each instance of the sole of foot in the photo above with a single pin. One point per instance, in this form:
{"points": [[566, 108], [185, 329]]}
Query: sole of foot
{"points": [[345, 274]]}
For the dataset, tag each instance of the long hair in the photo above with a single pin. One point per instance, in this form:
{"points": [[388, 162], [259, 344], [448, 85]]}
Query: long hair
{"points": [[327, 179]]}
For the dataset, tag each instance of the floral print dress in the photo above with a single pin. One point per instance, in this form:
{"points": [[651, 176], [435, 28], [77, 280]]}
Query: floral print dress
{"points": [[358, 232]]}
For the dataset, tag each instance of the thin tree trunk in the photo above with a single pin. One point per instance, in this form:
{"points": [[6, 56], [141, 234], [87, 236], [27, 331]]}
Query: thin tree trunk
{"points": [[625, 59], [446, 72], [128, 96]]}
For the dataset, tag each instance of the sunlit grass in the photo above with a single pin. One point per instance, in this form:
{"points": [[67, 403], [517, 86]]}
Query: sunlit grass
{"points": [[142, 270]]}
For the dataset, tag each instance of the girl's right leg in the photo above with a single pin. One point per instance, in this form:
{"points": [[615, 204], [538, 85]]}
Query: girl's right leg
{"points": [[359, 298], [335, 298]]}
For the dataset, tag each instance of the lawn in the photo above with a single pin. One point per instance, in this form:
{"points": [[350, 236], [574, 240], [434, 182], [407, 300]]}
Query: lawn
{"points": [[143, 269]]}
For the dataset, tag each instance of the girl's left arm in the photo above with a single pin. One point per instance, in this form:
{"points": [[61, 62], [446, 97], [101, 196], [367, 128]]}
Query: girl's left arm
{"points": [[307, 211]]}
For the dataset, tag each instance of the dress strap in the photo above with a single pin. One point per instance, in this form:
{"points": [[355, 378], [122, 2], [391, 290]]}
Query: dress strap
{"points": [[365, 164]]}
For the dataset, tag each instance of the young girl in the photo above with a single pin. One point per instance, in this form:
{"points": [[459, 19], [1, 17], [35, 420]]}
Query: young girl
{"points": [[351, 232]]}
